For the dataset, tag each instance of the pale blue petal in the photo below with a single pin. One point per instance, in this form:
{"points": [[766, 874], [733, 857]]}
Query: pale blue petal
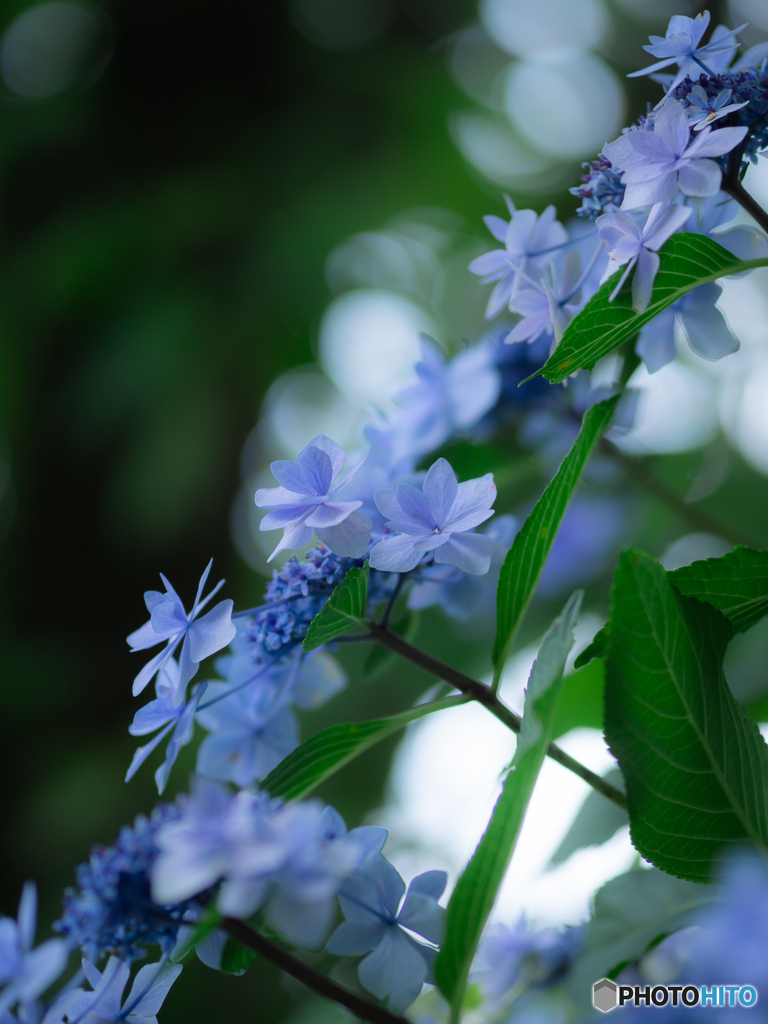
{"points": [[349, 539], [210, 949], [150, 670], [395, 970], [212, 631], [316, 469], [707, 332], [395, 554], [27, 916], [375, 888], [334, 452], [470, 552], [305, 924], [387, 503], [473, 495], [143, 752], [440, 490], [646, 269], [354, 938], [331, 513], [152, 716], [656, 344], [285, 517], [289, 476], [158, 984], [414, 505], [430, 883]]}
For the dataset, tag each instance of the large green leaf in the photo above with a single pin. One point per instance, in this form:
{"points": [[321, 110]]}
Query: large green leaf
{"points": [[476, 889], [630, 912], [687, 261], [326, 752], [695, 765], [343, 609], [527, 557], [597, 821], [736, 584]]}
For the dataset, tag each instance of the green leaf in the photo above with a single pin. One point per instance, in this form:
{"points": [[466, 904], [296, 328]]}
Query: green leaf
{"points": [[527, 557], [236, 958], [381, 658], [326, 752], [581, 700], [475, 892], [695, 765], [596, 649], [343, 609], [629, 913], [209, 922], [687, 260], [736, 584], [597, 821]]}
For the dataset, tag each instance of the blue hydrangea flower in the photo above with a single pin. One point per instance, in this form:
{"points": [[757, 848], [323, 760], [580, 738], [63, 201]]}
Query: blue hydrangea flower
{"points": [[105, 1004], [251, 730], [462, 596], [169, 621], [26, 972], [632, 245], [703, 325], [291, 857], [681, 46], [112, 911], [529, 241], [655, 164], [304, 504], [547, 308], [449, 397], [524, 957], [703, 110], [396, 965], [436, 519], [161, 714]]}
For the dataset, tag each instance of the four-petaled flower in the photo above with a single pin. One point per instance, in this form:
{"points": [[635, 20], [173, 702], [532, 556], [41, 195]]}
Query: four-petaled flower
{"points": [[303, 505], [396, 965], [634, 245], [703, 110], [657, 163], [105, 1003], [169, 621], [681, 46], [436, 519], [545, 309], [529, 242], [25, 973]]}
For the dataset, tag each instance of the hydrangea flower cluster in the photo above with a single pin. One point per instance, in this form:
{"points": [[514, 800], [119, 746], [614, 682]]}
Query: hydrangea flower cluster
{"points": [[233, 849], [112, 910]]}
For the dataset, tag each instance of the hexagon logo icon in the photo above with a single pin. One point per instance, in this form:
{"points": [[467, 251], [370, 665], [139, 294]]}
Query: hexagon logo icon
{"points": [[605, 995]]}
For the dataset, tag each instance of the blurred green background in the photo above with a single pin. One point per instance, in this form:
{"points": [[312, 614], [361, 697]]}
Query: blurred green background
{"points": [[166, 218]]}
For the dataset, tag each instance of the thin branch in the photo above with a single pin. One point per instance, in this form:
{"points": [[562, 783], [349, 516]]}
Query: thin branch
{"points": [[733, 187], [307, 975], [698, 519], [401, 578], [483, 695]]}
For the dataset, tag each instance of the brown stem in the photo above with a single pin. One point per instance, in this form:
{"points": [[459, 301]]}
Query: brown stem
{"points": [[307, 975], [483, 695], [736, 191], [640, 472]]}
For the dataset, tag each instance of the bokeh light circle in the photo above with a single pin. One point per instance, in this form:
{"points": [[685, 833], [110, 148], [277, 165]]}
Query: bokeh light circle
{"points": [[523, 28], [55, 46], [369, 341], [568, 109]]}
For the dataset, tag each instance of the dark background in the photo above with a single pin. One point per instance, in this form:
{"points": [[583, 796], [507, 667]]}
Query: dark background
{"points": [[162, 241]]}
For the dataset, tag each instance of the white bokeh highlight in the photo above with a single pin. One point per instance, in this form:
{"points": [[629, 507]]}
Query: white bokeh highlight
{"points": [[567, 109], [445, 782], [369, 341], [523, 28]]}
